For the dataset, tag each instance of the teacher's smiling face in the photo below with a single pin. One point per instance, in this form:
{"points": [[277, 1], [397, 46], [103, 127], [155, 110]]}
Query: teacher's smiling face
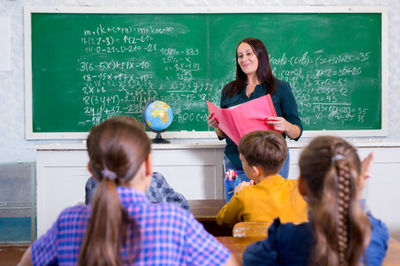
{"points": [[247, 59]]}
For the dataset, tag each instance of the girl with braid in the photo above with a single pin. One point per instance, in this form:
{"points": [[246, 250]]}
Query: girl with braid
{"points": [[338, 232], [121, 226]]}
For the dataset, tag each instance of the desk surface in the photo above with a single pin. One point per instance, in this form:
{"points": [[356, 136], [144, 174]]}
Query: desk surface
{"points": [[393, 254], [206, 210], [237, 245]]}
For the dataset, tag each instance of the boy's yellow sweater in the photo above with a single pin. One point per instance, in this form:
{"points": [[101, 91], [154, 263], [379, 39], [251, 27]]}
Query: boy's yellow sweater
{"points": [[272, 197]]}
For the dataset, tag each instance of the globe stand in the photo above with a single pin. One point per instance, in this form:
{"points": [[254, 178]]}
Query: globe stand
{"points": [[159, 139]]}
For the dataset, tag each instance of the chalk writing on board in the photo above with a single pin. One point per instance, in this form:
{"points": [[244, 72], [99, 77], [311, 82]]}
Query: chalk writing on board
{"points": [[321, 84], [106, 64], [114, 86]]}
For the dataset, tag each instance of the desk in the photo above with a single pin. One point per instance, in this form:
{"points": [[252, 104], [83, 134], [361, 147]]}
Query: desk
{"points": [[237, 245], [393, 254], [205, 211]]}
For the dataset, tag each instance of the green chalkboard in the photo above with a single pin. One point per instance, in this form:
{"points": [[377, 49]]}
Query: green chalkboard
{"points": [[87, 67]]}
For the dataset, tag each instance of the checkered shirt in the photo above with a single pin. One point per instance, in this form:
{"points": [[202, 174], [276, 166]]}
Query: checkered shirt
{"points": [[159, 234]]}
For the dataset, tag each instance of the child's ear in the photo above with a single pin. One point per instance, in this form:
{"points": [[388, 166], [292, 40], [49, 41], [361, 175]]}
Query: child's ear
{"points": [[148, 165], [256, 171], [91, 171], [302, 187]]}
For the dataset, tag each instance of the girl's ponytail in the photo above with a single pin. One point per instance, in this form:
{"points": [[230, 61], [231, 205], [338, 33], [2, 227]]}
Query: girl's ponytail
{"points": [[103, 239], [117, 149]]}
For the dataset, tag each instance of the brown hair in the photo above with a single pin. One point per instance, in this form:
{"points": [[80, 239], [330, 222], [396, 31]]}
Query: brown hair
{"points": [[265, 149], [331, 168], [264, 71], [117, 148]]}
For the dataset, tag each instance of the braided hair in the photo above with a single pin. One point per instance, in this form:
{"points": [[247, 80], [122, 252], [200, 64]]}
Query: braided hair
{"points": [[330, 168]]}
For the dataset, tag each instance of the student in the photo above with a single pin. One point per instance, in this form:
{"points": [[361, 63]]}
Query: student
{"points": [[339, 232], [122, 227], [267, 195], [158, 191]]}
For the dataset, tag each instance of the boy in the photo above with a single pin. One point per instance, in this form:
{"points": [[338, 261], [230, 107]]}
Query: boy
{"points": [[268, 195]]}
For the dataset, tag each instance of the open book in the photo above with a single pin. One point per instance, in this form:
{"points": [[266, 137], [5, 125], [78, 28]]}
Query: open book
{"points": [[241, 119]]}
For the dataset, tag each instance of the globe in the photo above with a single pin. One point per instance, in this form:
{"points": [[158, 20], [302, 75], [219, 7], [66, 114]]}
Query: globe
{"points": [[157, 116]]}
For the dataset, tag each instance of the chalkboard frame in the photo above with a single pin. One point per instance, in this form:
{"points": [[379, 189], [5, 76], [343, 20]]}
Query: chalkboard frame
{"points": [[31, 135]]}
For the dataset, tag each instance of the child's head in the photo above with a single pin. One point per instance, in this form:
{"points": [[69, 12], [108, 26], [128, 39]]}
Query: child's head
{"points": [[264, 149], [117, 148], [329, 177], [118, 152]]}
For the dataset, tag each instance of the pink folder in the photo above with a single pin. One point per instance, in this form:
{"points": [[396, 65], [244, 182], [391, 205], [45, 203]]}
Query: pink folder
{"points": [[241, 119]]}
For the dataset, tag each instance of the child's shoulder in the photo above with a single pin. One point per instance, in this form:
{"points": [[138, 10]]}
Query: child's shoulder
{"points": [[277, 180], [74, 215], [378, 227], [73, 211], [284, 230], [166, 210], [290, 236], [289, 182]]}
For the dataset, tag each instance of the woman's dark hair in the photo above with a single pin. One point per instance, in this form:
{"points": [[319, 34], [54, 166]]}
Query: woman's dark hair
{"points": [[330, 169], [264, 72], [265, 149], [117, 148]]}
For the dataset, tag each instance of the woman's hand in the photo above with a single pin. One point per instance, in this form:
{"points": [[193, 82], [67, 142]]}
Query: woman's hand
{"points": [[279, 123], [282, 125], [213, 122]]}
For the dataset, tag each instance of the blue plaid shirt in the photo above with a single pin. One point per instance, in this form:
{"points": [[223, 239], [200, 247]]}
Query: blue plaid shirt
{"points": [[160, 234]]}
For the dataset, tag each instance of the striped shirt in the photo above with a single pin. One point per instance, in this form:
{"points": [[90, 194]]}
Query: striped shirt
{"points": [[159, 234]]}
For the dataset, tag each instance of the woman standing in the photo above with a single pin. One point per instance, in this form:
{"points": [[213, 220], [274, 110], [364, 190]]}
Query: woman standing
{"points": [[254, 79]]}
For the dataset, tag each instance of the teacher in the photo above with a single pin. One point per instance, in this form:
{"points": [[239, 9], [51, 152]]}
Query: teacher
{"points": [[254, 79]]}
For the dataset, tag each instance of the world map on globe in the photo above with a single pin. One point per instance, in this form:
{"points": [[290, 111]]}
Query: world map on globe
{"points": [[158, 115]]}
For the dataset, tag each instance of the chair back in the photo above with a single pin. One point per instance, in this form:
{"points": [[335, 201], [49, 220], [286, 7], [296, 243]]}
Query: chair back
{"points": [[251, 229]]}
